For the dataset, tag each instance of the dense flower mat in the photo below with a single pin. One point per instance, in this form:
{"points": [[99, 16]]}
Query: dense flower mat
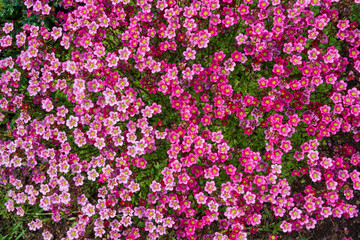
{"points": [[211, 119]]}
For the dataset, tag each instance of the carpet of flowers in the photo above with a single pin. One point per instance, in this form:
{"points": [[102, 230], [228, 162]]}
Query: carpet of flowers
{"points": [[164, 119]]}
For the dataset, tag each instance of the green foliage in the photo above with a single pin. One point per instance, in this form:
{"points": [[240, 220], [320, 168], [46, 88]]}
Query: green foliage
{"points": [[11, 227], [10, 10]]}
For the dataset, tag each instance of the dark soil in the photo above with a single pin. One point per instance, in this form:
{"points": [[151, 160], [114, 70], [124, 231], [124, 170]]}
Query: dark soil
{"points": [[329, 229], [59, 229]]}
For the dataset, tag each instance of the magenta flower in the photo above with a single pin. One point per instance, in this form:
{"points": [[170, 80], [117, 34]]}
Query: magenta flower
{"points": [[278, 69], [47, 105], [286, 226], [189, 54]]}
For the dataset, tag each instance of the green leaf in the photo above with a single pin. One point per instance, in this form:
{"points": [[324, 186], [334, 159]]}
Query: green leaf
{"points": [[5, 237], [16, 227], [21, 236]]}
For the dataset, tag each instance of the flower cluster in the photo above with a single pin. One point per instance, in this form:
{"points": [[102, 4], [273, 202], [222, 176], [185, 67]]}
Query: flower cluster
{"points": [[153, 118]]}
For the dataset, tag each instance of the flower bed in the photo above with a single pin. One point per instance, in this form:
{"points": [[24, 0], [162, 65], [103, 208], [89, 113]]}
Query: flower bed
{"points": [[177, 119]]}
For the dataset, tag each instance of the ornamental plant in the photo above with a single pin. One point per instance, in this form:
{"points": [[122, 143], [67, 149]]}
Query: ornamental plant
{"points": [[163, 119]]}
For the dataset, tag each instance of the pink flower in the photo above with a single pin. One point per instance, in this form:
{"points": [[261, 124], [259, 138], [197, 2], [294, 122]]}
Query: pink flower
{"points": [[296, 60], [309, 206], [276, 168], [126, 221], [263, 82], [311, 224], [47, 105], [32, 226], [47, 235], [228, 21], [46, 9], [249, 198], [155, 186], [112, 59], [72, 233], [240, 39], [223, 148], [189, 54], [210, 187], [183, 178], [200, 198], [6, 41], [213, 206], [313, 155], [149, 226], [343, 175], [78, 180], [10, 205], [37, 6], [190, 24], [92, 175], [176, 166], [91, 65], [295, 213], [56, 33], [326, 212], [20, 39], [313, 54], [286, 145], [326, 163], [8, 27], [124, 54], [205, 12], [286, 226], [72, 122], [278, 69], [20, 211], [219, 56], [255, 219], [279, 211], [147, 112], [216, 137], [99, 50], [288, 48], [212, 172], [312, 33], [343, 24], [294, 120], [315, 175], [100, 143], [99, 231], [206, 120], [231, 212]]}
